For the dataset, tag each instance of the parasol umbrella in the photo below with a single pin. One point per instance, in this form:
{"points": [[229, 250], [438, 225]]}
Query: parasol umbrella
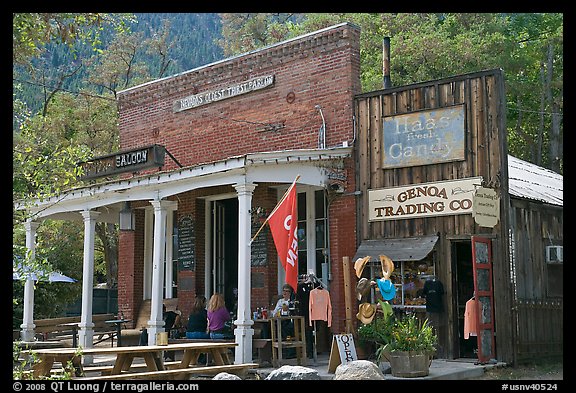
{"points": [[52, 277], [27, 273]]}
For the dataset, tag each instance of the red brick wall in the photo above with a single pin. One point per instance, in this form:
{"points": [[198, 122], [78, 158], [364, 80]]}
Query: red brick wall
{"points": [[342, 226], [320, 69]]}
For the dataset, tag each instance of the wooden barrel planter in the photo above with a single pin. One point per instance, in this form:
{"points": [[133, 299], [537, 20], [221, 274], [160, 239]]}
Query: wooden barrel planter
{"points": [[409, 364]]}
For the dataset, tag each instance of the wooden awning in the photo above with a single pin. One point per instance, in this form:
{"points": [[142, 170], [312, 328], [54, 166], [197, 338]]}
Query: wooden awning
{"points": [[402, 249]]}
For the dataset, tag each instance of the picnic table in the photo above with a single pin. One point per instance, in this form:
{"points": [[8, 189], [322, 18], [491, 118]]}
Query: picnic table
{"points": [[118, 323], [152, 355]]}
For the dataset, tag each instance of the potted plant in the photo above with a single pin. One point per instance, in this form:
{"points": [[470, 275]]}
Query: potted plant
{"points": [[374, 335], [378, 332], [411, 347]]}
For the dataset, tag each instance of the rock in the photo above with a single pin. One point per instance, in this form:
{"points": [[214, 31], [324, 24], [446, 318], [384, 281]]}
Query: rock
{"points": [[358, 370], [288, 372], [226, 376]]}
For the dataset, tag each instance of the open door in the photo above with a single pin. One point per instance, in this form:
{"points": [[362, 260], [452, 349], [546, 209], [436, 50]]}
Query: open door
{"points": [[482, 267]]}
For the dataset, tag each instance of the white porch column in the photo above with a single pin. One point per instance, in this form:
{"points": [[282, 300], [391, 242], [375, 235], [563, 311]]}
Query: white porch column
{"points": [[27, 327], [244, 322], [156, 323], [86, 331]]}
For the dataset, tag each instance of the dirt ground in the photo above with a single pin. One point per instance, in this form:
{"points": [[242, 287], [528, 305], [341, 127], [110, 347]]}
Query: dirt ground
{"points": [[542, 371]]}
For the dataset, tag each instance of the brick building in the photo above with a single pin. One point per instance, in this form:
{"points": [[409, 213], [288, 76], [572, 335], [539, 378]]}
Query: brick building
{"points": [[206, 154]]}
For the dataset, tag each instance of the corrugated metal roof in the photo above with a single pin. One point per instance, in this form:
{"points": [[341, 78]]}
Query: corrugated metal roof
{"points": [[530, 181], [401, 249]]}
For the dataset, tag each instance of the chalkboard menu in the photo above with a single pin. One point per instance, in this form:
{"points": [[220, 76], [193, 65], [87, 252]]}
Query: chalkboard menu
{"points": [[186, 243], [259, 246]]}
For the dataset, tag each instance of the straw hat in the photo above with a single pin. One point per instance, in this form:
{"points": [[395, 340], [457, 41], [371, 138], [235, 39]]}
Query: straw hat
{"points": [[387, 289], [387, 266], [363, 288], [359, 265], [366, 313]]}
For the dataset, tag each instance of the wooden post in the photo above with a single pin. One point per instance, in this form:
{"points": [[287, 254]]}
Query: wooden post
{"points": [[347, 294]]}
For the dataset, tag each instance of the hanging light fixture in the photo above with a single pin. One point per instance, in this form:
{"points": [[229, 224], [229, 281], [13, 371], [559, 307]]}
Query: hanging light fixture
{"points": [[126, 218]]}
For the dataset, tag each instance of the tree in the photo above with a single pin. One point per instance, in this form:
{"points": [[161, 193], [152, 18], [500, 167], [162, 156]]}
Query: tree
{"points": [[429, 46]]}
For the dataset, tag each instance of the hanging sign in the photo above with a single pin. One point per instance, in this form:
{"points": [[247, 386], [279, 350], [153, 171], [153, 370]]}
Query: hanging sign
{"points": [[124, 161], [223, 93], [424, 137], [486, 207], [422, 200]]}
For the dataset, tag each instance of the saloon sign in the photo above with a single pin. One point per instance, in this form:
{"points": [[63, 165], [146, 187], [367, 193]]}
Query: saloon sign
{"points": [[423, 200], [124, 161]]}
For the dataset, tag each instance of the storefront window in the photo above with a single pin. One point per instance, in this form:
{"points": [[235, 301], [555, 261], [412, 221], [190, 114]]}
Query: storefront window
{"points": [[409, 281], [408, 278]]}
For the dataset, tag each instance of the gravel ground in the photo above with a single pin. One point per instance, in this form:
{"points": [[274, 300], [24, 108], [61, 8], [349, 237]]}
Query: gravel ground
{"points": [[543, 371]]}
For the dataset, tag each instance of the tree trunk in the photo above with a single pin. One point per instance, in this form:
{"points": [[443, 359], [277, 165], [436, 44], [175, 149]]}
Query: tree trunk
{"points": [[109, 236]]}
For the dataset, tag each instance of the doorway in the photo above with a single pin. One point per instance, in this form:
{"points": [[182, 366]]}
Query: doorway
{"points": [[224, 250], [464, 284]]}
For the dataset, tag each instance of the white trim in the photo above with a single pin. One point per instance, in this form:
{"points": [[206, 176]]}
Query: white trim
{"points": [[279, 166]]}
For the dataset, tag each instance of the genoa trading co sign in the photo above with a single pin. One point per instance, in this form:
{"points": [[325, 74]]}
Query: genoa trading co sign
{"points": [[423, 138], [223, 93], [423, 200], [124, 161]]}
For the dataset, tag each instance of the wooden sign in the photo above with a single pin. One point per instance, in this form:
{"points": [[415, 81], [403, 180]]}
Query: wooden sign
{"points": [[486, 207], [424, 137], [123, 161], [343, 351], [441, 198]]}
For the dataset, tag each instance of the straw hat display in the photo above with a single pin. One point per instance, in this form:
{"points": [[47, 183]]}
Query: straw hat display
{"points": [[360, 264], [363, 288], [387, 266], [387, 288], [366, 313]]}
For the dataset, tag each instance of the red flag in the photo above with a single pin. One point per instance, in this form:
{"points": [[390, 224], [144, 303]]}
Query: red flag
{"points": [[283, 223]]}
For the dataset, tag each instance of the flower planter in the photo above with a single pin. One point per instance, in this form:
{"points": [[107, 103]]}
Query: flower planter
{"points": [[409, 364]]}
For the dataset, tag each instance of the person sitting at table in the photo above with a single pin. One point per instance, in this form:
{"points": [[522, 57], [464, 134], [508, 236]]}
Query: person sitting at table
{"points": [[172, 323], [283, 309], [218, 315], [198, 319], [283, 304]]}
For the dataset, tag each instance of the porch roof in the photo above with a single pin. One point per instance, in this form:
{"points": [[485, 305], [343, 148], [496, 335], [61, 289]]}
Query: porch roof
{"points": [[108, 197]]}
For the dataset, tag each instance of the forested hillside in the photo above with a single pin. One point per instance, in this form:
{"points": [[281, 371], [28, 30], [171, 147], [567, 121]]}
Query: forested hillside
{"points": [[192, 39]]}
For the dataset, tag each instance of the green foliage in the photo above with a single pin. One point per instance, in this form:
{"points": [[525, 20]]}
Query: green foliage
{"points": [[410, 334], [379, 331], [22, 364]]}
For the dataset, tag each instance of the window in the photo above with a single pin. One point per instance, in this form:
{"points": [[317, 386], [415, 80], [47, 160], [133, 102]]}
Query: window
{"points": [[408, 278], [313, 244]]}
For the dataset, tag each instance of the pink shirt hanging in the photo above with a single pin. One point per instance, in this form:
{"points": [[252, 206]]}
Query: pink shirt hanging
{"points": [[320, 306]]}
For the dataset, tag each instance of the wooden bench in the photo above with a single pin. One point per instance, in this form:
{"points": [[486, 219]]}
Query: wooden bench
{"points": [[179, 373], [106, 370], [264, 347], [63, 328], [132, 335]]}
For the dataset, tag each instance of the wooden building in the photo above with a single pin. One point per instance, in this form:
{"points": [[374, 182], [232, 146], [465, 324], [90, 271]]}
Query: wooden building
{"points": [[422, 153]]}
